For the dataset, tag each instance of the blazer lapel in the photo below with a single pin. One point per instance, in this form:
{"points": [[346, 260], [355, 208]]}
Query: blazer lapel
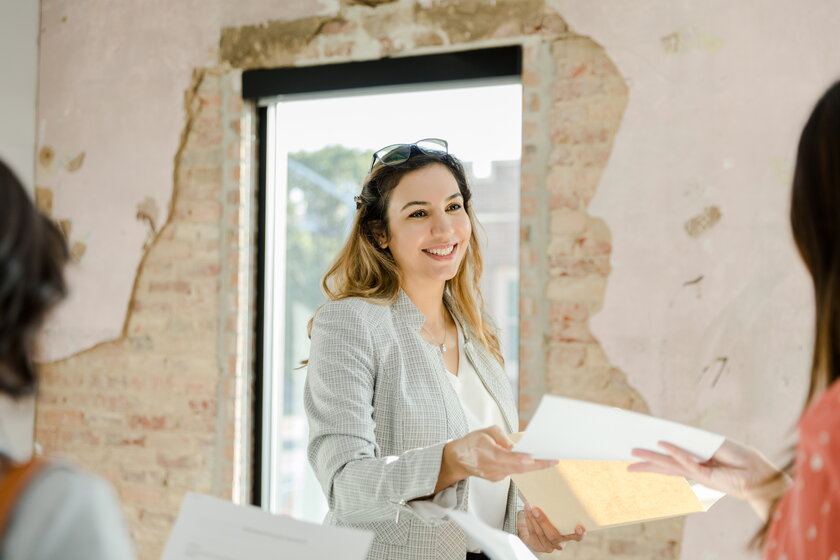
{"points": [[490, 372], [410, 320], [493, 376]]}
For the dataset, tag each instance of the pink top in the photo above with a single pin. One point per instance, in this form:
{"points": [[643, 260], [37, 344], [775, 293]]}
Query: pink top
{"points": [[806, 525]]}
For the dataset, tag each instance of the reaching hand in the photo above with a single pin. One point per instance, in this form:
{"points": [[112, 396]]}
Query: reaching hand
{"points": [[540, 534], [486, 454], [739, 470]]}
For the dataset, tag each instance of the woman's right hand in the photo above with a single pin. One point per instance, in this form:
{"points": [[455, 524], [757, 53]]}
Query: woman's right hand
{"points": [[737, 469], [486, 454]]}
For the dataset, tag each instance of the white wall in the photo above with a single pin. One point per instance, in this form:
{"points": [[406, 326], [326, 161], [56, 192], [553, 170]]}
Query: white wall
{"points": [[18, 85]]}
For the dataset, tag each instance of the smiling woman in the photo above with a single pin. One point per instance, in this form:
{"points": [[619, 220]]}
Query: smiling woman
{"points": [[317, 151], [406, 394], [429, 228]]}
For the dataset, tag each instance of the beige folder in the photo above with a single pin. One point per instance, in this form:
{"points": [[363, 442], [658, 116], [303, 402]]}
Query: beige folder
{"points": [[601, 494]]}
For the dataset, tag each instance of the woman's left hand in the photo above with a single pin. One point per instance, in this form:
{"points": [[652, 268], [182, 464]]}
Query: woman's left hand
{"points": [[540, 534]]}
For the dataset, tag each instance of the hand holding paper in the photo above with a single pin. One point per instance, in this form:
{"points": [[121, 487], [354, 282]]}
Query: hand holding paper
{"points": [[495, 543], [538, 532], [591, 484], [484, 453], [736, 469], [567, 429]]}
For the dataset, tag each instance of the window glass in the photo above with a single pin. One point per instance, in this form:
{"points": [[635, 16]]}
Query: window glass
{"points": [[325, 148]]}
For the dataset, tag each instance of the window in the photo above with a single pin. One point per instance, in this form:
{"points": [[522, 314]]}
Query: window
{"points": [[317, 147]]}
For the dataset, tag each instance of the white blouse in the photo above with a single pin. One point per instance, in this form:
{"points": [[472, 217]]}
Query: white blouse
{"points": [[487, 500]]}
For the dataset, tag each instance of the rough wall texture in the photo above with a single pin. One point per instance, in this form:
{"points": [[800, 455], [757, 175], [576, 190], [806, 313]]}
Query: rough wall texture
{"points": [[574, 99], [160, 410]]}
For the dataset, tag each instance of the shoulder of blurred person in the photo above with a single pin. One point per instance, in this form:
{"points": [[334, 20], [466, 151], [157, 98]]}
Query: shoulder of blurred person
{"points": [[822, 418], [58, 511], [67, 513]]}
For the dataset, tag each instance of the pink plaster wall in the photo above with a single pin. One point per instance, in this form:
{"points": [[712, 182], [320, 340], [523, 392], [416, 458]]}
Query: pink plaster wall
{"points": [[718, 95], [112, 81]]}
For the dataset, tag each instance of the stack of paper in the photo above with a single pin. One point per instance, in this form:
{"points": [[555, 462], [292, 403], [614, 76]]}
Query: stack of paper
{"points": [[210, 528], [591, 485]]}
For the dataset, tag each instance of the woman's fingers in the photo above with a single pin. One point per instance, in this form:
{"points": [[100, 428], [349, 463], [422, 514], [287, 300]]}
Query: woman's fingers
{"points": [[499, 436], [677, 461], [652, 456], [688, 461], [548, 528], [530, 464], [505, 463], [551, 532], [486, 453], [545, 545], [511, 462], [679, 452], [673, 453], [662, 460], [540, 464], [577, 536], [736, 454], [658, 463], [580, 530], [540, 534]]}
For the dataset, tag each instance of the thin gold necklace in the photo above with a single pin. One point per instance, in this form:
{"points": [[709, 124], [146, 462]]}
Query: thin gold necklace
{"points": [[442, 345]]}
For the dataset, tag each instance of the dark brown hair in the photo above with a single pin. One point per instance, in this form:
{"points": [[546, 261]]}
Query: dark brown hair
{"points": [[32, 258], [815, 220]]}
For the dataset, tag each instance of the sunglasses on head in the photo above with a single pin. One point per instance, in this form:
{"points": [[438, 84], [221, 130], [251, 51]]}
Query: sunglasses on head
{"points": [[396, 154]]}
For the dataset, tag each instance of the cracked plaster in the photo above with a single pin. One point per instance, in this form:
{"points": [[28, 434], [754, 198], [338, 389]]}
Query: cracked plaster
{"points": [[622, 30]]}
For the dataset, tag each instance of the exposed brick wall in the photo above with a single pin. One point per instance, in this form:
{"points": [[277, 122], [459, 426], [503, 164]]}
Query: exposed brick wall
{"points": [[164, 409], [573, 99], [159, 411]]}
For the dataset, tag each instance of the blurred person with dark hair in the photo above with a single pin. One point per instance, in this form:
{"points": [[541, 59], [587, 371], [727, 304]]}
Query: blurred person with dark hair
{"points": [[801, 514], [48, 508]]}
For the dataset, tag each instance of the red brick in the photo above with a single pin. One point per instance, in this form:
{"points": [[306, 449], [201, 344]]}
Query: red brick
{"points": [[569, 312], [62, 417], [567, 355], [148, 422], [178, 286]]}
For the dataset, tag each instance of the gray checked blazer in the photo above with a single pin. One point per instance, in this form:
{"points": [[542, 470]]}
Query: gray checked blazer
{"points": [[380, 411]]}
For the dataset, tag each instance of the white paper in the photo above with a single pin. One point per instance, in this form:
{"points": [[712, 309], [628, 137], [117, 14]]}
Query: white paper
{"points": [[707, 496], [570, 429], [210, 528], [496, 544]]}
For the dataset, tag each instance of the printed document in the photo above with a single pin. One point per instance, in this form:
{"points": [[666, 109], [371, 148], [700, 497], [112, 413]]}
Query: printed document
{"points": [[210, 528]]}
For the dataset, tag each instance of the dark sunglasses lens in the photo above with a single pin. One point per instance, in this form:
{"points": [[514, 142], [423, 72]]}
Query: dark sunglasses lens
{"points": [[432, 145], [396, 155]]}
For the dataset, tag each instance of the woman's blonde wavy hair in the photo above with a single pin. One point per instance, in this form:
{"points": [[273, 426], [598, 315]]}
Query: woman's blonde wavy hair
{"points": [[362, 269]]}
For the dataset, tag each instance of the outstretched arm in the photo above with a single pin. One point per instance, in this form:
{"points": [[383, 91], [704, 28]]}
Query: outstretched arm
{"points": [[739, 470]]}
